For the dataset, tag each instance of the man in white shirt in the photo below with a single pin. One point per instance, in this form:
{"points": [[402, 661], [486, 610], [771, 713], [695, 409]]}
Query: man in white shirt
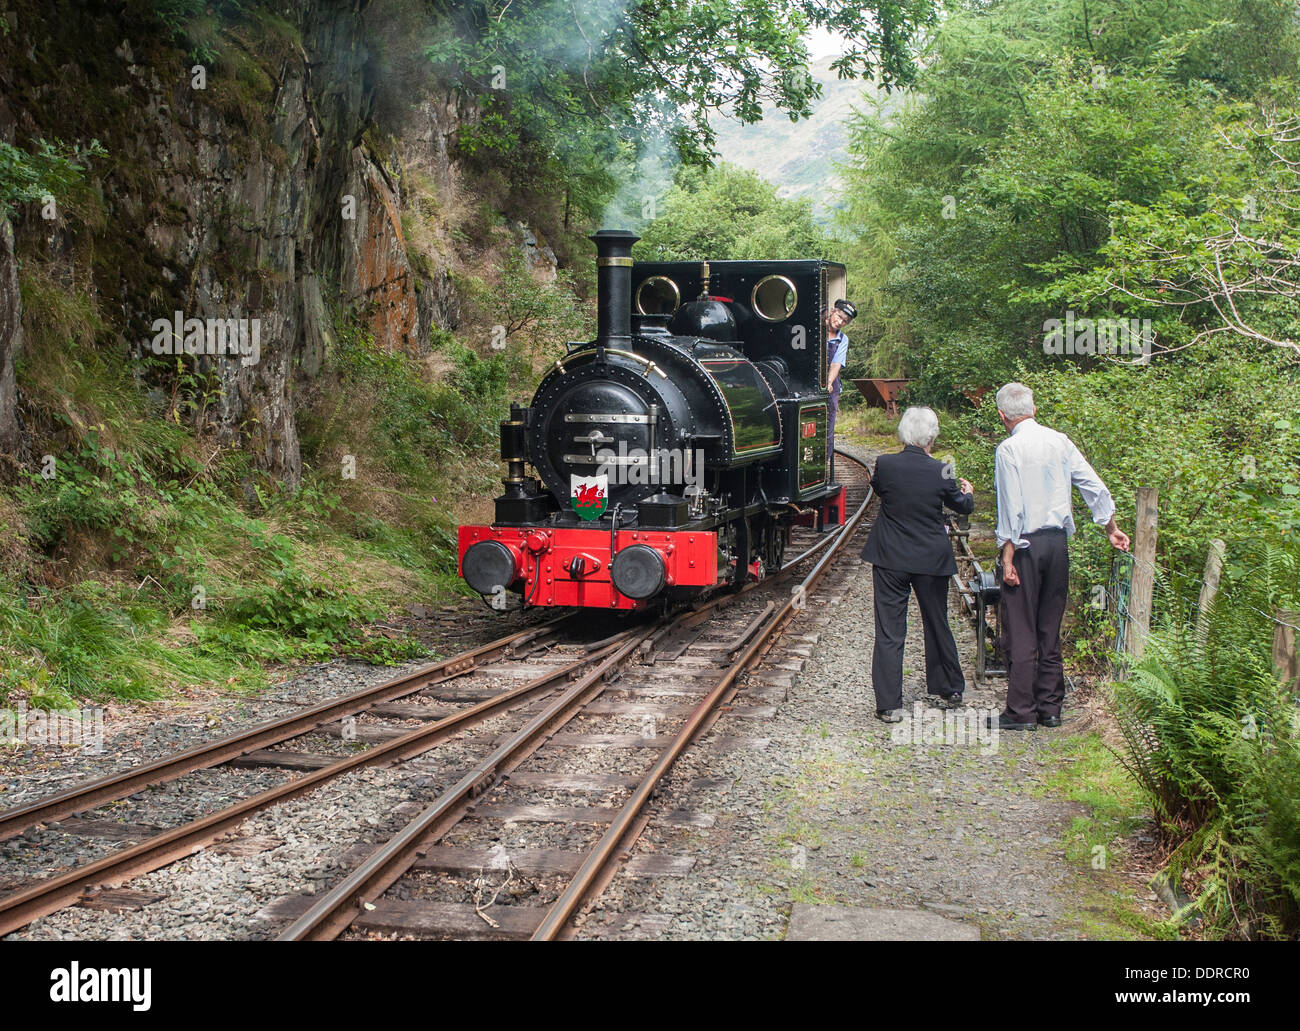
{"points": [[1036, 468]]}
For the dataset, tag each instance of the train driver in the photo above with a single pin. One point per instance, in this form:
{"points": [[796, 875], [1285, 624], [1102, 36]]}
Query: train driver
{"points": [[839, 315]]}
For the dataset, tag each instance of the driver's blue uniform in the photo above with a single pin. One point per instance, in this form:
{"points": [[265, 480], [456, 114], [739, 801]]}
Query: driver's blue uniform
{"points": [[837, 349]]}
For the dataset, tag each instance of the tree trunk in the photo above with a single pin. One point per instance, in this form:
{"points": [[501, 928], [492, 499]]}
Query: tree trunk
{"points": [[11, 335]]}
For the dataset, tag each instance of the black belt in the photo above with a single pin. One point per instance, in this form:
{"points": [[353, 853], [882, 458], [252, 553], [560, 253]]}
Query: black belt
{"points": [[1049, 530]]}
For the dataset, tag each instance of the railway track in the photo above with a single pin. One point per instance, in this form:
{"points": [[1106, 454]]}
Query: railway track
{"points": [[83, 797], [407, 887], [377, 719], [449, 700]]}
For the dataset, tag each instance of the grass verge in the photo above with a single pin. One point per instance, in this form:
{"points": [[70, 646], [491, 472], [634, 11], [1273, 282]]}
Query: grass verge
{"points": [[1086, 772]]}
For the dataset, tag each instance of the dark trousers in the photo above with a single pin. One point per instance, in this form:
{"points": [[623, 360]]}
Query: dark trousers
{"points": [[943, 673], [1034, 608], [832, 410]]}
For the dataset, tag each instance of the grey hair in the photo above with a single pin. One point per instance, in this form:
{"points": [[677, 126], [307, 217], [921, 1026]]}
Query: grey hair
{"points": [[918, 427], [1016, 401]]}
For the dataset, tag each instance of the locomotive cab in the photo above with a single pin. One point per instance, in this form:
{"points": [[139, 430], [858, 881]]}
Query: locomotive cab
{"points": [[774, 311]]}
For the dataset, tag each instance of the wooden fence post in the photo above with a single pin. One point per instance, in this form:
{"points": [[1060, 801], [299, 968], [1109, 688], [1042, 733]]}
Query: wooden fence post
{"points": [[1210, 583], [1285, 656], [1144, 555]]}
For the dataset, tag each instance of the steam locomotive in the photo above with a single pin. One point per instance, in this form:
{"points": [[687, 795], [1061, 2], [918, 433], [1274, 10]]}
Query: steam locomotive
{"points": [[674, 452]]}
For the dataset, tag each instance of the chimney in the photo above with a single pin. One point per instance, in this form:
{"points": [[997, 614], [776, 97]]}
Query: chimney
{"points": [[614, 285]]}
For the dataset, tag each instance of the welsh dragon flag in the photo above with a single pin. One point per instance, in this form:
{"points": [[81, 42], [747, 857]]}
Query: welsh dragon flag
{"points": [[589, 495]]}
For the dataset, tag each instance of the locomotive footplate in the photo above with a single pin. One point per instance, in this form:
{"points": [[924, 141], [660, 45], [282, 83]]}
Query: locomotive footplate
{"points": [[824, 513], [577, 566]]}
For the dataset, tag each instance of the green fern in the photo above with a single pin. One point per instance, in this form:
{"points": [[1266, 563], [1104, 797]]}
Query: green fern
{"points": [[1212, 738]]}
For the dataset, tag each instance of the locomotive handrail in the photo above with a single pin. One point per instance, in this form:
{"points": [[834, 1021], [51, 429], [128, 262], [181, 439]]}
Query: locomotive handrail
{"points": [[649, 365]]}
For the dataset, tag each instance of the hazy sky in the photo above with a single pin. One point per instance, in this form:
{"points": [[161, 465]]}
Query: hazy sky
{"points": [[823, 43]]}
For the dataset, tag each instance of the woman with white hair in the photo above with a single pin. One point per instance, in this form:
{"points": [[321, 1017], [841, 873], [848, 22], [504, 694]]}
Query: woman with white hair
{"points": [[910, 552]]}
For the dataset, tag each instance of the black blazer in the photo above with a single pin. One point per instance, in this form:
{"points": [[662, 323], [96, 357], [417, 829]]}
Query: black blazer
{"points": [[909, 533]]}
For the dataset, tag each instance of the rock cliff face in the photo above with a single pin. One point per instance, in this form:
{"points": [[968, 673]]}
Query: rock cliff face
{"points": [[266, 183]]}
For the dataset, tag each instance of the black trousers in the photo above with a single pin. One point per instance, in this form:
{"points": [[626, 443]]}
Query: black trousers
{"points": [[832, 411], [943, 673], [1034, 609]]}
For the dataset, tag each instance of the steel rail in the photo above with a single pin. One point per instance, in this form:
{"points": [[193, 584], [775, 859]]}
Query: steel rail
{"points": [[331, 914], [755, 624], [703, 610], [81, 797], [821, 545], [48, 896], [599, 859], [962, 552]]}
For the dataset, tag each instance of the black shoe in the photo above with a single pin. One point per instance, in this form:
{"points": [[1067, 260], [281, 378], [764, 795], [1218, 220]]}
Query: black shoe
{"points": [[952, 700], [1049, 721], [1001, 722], [890, 715]]}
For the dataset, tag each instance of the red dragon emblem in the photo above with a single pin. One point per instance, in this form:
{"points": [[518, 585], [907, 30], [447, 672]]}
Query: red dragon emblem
{"points": [[589, 496]]}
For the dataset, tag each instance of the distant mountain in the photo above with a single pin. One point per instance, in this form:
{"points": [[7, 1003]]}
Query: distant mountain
{"points": [[799, 157]]}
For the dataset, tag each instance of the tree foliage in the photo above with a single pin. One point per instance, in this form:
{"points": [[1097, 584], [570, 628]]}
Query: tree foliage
{"points": [[730, 213], [49, 169], [1221, 253], [1033, 127], [567, 82]]}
